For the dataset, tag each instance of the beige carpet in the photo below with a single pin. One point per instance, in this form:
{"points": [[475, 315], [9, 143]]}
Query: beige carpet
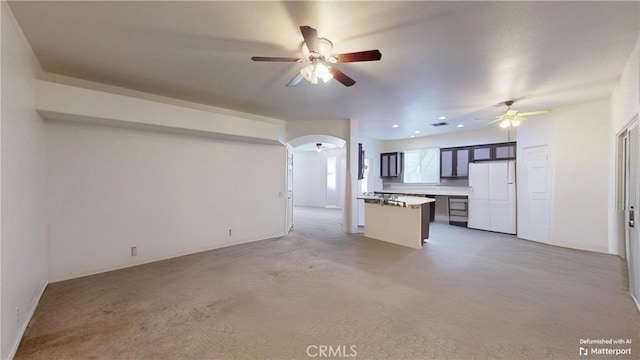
{"points": [[467, 295]]}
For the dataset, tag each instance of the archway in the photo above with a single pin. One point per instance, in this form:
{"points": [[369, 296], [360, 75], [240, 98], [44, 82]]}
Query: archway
{"points": [[318, 173]]}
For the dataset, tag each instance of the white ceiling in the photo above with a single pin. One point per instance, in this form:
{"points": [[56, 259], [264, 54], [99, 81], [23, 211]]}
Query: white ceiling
{"points": [[458, 59]]}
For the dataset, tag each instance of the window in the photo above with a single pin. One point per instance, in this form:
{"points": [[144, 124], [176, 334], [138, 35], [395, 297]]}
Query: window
{"points": [[422, 165], [332, 184]]}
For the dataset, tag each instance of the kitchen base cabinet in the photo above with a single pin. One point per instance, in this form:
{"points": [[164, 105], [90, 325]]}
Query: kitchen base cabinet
{"points": [[458, 210], [406, 226]]}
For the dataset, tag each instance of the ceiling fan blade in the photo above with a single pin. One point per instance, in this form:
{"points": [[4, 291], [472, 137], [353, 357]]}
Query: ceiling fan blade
{"points": [[538, 112], [369, 55], [310, 36], [495, 121], [296, 79], [341, 77], [267, 58]]}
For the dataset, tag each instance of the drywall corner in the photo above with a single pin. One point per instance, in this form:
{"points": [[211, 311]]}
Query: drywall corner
{"points": [[23, 260]]}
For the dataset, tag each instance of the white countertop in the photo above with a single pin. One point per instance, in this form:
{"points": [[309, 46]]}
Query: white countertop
{"points": [[415, 201]]}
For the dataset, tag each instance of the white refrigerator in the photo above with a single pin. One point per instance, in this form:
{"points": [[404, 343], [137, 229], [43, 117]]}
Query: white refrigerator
{"points": [[492, 196]]}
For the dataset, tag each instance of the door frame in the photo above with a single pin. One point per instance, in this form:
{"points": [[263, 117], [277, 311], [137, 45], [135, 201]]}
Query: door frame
{"points": [[622, 199], [621, 186]]}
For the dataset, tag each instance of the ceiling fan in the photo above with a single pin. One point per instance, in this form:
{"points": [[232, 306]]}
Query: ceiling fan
{"points": [[514, 117], [317, 52]]}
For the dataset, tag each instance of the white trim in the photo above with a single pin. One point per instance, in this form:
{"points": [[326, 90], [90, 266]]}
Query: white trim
{"points": [[162, 258], [16, 344]]}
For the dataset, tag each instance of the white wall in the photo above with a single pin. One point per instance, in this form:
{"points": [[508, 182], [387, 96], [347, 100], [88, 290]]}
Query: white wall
{"points": [[577, 141], [168, 194], [581, 179], [310, 177], [337, 128], [23, 190], [626, 95], [489, 135]]}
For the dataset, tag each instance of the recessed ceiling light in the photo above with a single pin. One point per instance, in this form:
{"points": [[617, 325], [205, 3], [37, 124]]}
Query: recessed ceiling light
{"points": [[459, 125], [412, 136], [395, 126], [442, 118], [417, 131]]}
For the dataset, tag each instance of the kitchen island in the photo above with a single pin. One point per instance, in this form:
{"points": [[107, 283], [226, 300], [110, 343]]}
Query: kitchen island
{"points": [[428, 191], [401, 220]]}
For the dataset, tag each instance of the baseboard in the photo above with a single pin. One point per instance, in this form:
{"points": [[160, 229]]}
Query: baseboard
{"points": [[161, 258], [14, 349]]}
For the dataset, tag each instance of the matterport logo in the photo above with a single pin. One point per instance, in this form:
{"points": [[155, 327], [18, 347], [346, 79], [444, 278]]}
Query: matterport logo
{"points": [[612, 347], [337, 351]]}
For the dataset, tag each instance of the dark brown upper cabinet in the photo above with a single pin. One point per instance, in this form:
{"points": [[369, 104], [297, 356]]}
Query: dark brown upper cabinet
{"points": [[500, 151], [454, 162], [391, 164], [506, 151], [482, 152]]}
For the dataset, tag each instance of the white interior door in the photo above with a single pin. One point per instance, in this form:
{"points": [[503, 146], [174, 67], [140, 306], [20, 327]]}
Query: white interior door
{"points": [[632, 203], [534, 195]]}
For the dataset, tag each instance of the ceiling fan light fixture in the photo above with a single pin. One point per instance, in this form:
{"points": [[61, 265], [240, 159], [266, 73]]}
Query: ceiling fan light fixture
{"points": [[515, 122], [319, 51], [505, 123], [318, 147], [323, 72], [316, 70]]}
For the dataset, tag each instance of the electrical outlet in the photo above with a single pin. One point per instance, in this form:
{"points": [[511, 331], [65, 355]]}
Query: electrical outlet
{"points": [[134, 251], [17, 315]]}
